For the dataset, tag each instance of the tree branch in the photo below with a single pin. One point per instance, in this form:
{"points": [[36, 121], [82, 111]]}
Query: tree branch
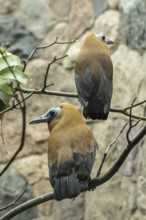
{"points": [[27, 205], [15, 105], [23, 112], [48, 68], [49, 92], [124, 111], [116, 166], [44, 47], [107, 150]]}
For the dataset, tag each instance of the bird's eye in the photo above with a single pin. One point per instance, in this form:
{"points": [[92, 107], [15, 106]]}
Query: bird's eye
{"points": [[52, 112], [103, 37]]}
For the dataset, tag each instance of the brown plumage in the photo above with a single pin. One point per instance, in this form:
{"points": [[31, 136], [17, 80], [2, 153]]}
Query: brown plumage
{"points": [[71, 150], [93, 76]]}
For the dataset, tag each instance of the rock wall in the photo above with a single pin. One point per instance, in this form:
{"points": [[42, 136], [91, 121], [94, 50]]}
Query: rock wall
{"points": [[26, 24]]}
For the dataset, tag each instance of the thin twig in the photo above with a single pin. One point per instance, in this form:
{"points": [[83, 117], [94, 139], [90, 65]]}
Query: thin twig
{"points": [[130, 122], [15, 105], [15, 200], [118, 163], [128, 107], [49, 92], [124, 111], [48, 68], [44, 47], [107, 150], [75, 95]]}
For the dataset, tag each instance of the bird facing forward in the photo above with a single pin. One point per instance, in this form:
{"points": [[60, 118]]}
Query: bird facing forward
{"points": [[71, 150], [93, 76]]}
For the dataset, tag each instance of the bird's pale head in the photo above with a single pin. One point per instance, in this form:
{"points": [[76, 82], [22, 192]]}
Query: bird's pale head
{"points": [[103, 38], [96, 41], [64, 114]]}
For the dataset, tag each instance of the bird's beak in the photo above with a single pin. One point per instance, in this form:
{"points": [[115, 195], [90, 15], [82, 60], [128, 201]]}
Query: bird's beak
{"points": [[41, 119], [108, 41]]}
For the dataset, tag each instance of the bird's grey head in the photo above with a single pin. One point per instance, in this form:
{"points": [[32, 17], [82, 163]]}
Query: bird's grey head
{"points": [[103, 38], [47, 117]]}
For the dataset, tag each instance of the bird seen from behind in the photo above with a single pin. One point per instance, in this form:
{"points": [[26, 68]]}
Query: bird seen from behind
{"points": [[93, 76]]}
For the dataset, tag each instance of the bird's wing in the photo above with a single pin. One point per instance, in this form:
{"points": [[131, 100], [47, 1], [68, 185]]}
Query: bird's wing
{"points": [[85, 86], [104, 91], [84, 164], [64, 181], [68, 178], [88, 86]]}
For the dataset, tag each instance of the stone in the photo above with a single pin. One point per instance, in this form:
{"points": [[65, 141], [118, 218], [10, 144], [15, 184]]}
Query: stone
{"points": [[60, 10], [81, 11], [108, 201], [141, 199], [108, 24], [132, 24], [138, 216], [114, 4], [42, 16], [68, 209], [38, 168], [40, 188], [12, 128], [99, 6], [128, 70], [13, 184], [8, 6], [21, 41], [61, 30], [57, 74], [143, 162], [41, 218], [132, 165], [142, 68], [72, 53]]}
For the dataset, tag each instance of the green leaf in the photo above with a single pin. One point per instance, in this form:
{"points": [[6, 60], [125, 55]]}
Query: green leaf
{"points": [[19, 75], [11, 59], [4, 87], [5, 98], [2, 50]]}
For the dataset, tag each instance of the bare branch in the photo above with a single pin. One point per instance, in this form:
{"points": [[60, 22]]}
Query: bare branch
{"points": [[48, 68], [46, 46], [27, 205], [107, 150], [15, 105], [116, 166], [130, 123], [49, 92], [75, 95], [124, 110]]}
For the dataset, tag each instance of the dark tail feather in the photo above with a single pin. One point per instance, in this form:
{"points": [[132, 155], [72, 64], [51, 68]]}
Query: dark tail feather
{"points": [[97, 109], [88, 113], [66, 187]]}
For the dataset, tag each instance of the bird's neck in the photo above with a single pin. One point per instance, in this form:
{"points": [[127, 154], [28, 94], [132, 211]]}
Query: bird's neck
{"points": [[66, 122]]}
